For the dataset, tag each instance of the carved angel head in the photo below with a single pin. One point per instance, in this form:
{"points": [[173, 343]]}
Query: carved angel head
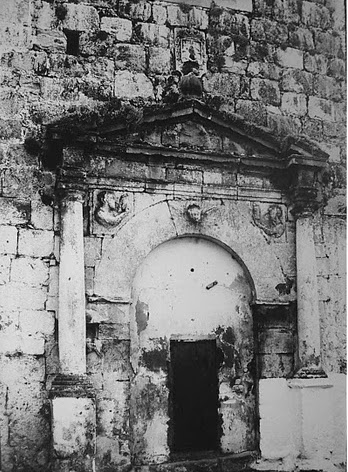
{"points": [[194, 213], [107, 200], [275, 215]]}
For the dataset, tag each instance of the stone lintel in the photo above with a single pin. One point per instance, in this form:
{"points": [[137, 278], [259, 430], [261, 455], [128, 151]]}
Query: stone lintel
{"points": [[76, 386]]}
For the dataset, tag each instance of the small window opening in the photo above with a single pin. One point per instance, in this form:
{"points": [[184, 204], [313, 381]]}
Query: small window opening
{"points": [[194, 396], [92, 330], [73, 42]]}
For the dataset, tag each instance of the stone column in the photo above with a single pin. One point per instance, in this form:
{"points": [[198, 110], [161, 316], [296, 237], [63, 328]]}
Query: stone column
{"points": [[71, 306], [308, 318], [72, 396]]}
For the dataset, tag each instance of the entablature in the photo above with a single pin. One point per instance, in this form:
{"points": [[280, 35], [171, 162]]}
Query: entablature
{"points": [[185, 144]]}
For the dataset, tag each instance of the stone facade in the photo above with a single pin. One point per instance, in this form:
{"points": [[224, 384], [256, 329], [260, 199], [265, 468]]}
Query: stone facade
{"points": [[108, 166]]}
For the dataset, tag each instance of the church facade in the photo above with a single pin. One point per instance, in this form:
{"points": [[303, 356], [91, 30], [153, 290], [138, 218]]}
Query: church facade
{"points": [[172, 236]]}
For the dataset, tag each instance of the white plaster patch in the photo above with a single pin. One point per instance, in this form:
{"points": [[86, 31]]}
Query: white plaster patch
{"points": [[72, 423], [174, 280], [155, 432], [303, 418]]}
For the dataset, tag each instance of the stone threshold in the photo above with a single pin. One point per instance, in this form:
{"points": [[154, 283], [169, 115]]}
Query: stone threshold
{"points": [[203, 462]]}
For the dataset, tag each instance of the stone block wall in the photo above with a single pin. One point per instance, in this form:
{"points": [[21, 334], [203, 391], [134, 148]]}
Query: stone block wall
{"points": [[278, 63], [28, 297]]}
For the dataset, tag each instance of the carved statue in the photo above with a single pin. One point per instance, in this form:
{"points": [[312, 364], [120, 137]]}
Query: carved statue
{"points": [[171, 92], [111, 210], [271, 222], [183, 85], [190, 84]]}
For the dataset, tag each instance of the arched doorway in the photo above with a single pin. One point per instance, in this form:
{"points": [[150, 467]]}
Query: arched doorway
{"points": [[192, 350]]}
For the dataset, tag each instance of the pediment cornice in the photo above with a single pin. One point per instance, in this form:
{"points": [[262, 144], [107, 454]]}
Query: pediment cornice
{"points": [[186, 133], [126, 130]]}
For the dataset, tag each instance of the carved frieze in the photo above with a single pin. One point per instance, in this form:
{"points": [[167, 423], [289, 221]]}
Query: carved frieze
{"points": [[270, 219], [111, 208]]}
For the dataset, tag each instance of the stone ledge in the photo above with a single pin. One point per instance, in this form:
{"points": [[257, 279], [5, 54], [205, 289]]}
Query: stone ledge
{"points": [[316, 382]]}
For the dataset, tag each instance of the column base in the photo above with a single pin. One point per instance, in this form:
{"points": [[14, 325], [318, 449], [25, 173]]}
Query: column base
{"points": [[311, 372], [71, 385], [73, 423]]}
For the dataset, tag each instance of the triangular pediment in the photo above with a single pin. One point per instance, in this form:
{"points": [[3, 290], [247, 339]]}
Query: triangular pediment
{"points": [[188, 127]]}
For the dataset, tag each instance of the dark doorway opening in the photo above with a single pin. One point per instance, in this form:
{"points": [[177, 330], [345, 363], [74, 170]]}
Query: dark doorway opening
{"points": [[194, 396]]}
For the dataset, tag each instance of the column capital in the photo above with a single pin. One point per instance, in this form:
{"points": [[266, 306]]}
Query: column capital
{"points": [[71, 194], [305, 191]]}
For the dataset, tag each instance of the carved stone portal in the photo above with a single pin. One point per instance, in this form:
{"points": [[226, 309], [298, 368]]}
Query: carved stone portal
{"points": [[110, 209], [271, 221]]}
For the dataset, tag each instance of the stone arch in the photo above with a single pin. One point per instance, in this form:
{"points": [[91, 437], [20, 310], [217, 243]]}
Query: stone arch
{"points": [[230, 226], [191, 288]]}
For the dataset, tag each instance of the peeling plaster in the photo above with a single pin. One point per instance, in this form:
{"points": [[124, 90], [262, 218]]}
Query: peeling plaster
{"points": [[141, 316], [171, 285]]}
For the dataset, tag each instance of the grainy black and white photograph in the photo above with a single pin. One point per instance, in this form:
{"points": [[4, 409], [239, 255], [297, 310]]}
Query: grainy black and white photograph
{"points": [[172, 236]]}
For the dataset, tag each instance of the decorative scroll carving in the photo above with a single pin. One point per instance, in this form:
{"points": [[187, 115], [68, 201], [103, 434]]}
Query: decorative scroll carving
{"points": [[111, 210], [271, 221]]}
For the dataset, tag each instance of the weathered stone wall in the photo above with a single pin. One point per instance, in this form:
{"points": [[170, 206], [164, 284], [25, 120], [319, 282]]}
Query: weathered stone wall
{"points": [[279, 63], [29, 276]]}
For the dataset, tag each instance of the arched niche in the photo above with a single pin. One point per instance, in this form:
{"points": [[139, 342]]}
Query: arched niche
{"points": [[191, 297], [230, 224]]}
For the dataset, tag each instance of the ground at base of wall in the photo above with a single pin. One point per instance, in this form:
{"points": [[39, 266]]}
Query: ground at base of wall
{"points": [[216, 463], [244, 462]]}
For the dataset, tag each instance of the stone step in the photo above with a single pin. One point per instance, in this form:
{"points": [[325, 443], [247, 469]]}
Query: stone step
{"points": [[208, 463]]}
